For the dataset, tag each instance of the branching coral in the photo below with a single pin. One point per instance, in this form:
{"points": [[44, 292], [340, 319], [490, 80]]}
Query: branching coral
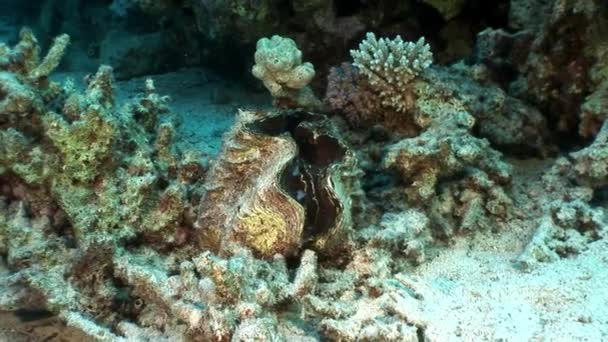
{"points": [[391, 65], [90, 151]]}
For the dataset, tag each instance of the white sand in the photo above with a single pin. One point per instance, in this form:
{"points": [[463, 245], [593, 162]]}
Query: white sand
{"points": [[475, 294]]}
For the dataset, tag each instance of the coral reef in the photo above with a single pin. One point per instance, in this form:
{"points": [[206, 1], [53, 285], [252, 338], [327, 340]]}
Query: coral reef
{"points": [[315, 218], [79, 178], [568, 221], [435, 143], [505, 121], [567, 228], [444, 150], [406, 233]]}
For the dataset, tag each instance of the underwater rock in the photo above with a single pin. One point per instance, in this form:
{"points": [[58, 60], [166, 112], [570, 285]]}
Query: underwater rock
{"points": [[511, 125], [448, 8], [132, 55], [591, 162], [446, 147], [406, 233], [594, 111], [279, 183], [565, 62], [566, 217], [566, 229], [365, 301], [525, 14]]}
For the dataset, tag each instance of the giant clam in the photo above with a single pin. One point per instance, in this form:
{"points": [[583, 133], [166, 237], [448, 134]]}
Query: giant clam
{"points": [[282, 182]]}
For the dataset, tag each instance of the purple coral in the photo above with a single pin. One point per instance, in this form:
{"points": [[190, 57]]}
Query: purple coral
{"points": [[349, 92]]}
